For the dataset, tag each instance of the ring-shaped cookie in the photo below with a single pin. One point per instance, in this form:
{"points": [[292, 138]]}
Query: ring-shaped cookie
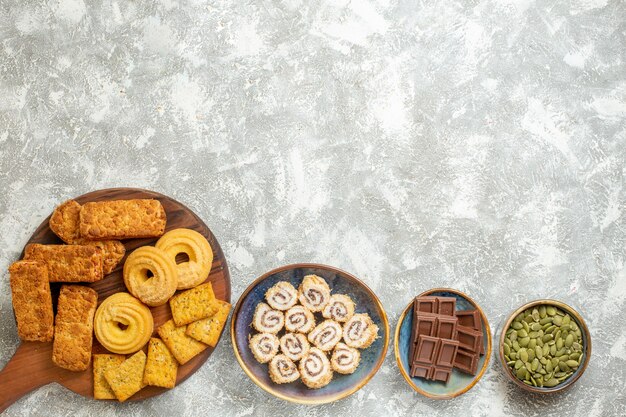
{"points": [[122, 324], [195, 271], [150, 275]]}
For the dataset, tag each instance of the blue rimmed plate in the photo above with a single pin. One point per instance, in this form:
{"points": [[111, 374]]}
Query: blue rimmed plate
{"points": [[340, 282], [459, 382]]}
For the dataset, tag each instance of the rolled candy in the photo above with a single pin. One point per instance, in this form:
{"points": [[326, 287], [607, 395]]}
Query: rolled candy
{"points": [[360, 332], [340, 308], [299, 319], [345, 359], [267, 320], [283, 370], [314, 293], [264, 346], [315, 369], [282, 296], [326, 335], [294, 345]]}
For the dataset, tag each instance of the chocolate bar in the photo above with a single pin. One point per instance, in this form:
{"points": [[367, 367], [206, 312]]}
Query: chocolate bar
{"points": [[427, 349], [447, 353], [425, 305], [420, 371], [466, 361], [440, 374], [446, 327], [446, 306], [469, 318], [469, 339], [422, 324]]}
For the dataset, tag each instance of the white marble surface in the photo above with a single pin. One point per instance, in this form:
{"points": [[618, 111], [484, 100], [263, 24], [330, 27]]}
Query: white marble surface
{"points": [[473, 144]]}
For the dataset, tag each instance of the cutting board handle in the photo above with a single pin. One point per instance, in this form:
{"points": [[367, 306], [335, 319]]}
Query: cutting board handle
{"points": [[29, 368]]}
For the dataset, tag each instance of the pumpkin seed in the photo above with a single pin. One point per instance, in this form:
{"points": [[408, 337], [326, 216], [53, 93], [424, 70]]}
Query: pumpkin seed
{"points": [[569, 340], [524, 341], [551, 383], [517, 325]]}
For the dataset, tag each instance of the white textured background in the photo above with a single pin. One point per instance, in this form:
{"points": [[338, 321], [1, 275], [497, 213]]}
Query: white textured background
{"points": [[473, 144]]}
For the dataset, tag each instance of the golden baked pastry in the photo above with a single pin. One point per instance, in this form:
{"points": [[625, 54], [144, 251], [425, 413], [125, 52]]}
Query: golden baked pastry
{"points": [[32, 301], [113, 252], [64, 221], [73, 327], [196, 247], [123, 309], [67, 263], [122, 219], [150, 275]]}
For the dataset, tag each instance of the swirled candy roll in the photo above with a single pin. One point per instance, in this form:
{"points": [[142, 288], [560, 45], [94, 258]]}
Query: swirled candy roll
{"points": [[326, 335], [264, 346], [299, 319], [315, 369], [345, 359], [282, 296], [360, 332], [314, 293], [283, 370], [267, 320], [294, 345], [340, 308]]}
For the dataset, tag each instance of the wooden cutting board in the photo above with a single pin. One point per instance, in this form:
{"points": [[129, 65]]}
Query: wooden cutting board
{"points": [[31, 366]]}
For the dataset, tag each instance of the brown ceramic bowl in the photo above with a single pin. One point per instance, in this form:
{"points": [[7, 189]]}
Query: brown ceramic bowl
{"points": [[586, 338]]}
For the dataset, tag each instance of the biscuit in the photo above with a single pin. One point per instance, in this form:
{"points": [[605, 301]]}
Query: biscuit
{"points": [[64, 221], [73, 330], [68, 263], [161, 367], [113, 252], [122, 219], [102, 363], [136, 320], [196, 270], [182, 346], [127, 379], [208, 330], [194, 304], [154, 289], [32, 301]]}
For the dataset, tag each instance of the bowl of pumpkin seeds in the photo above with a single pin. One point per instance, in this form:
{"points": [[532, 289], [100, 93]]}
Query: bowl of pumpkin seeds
{"points": [[545, 346]]}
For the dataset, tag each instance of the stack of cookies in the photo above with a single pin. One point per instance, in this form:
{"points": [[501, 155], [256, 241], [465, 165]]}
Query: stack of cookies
{"points": [[123, 323], [296, 343]]}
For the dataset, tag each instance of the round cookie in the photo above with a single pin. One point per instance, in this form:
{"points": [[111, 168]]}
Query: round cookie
{"points": [[123, 309], [195, 271], [150, 275]]}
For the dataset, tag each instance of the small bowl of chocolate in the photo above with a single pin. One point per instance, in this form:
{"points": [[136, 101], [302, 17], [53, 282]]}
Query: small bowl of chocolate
{"points": [[545, 346], [442, 343]]}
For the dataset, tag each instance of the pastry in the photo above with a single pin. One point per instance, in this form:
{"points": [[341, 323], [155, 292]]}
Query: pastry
{"points": [[183, 347], [315, 369], [64, 221], [101, 363], [266, 320], [127, 379], [196, 270], [326, 335], [73, 327], [122, 219], [294, 345], [113, 252], [123, 324], [345, 359], [32, 301], [208, 330], [264, 346], [283, 370], [282, 296], [314, 293], [340, 308], [299, 319], [150, 275], [360, 332], [68, 263], [161, 366], [194, 304]]}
